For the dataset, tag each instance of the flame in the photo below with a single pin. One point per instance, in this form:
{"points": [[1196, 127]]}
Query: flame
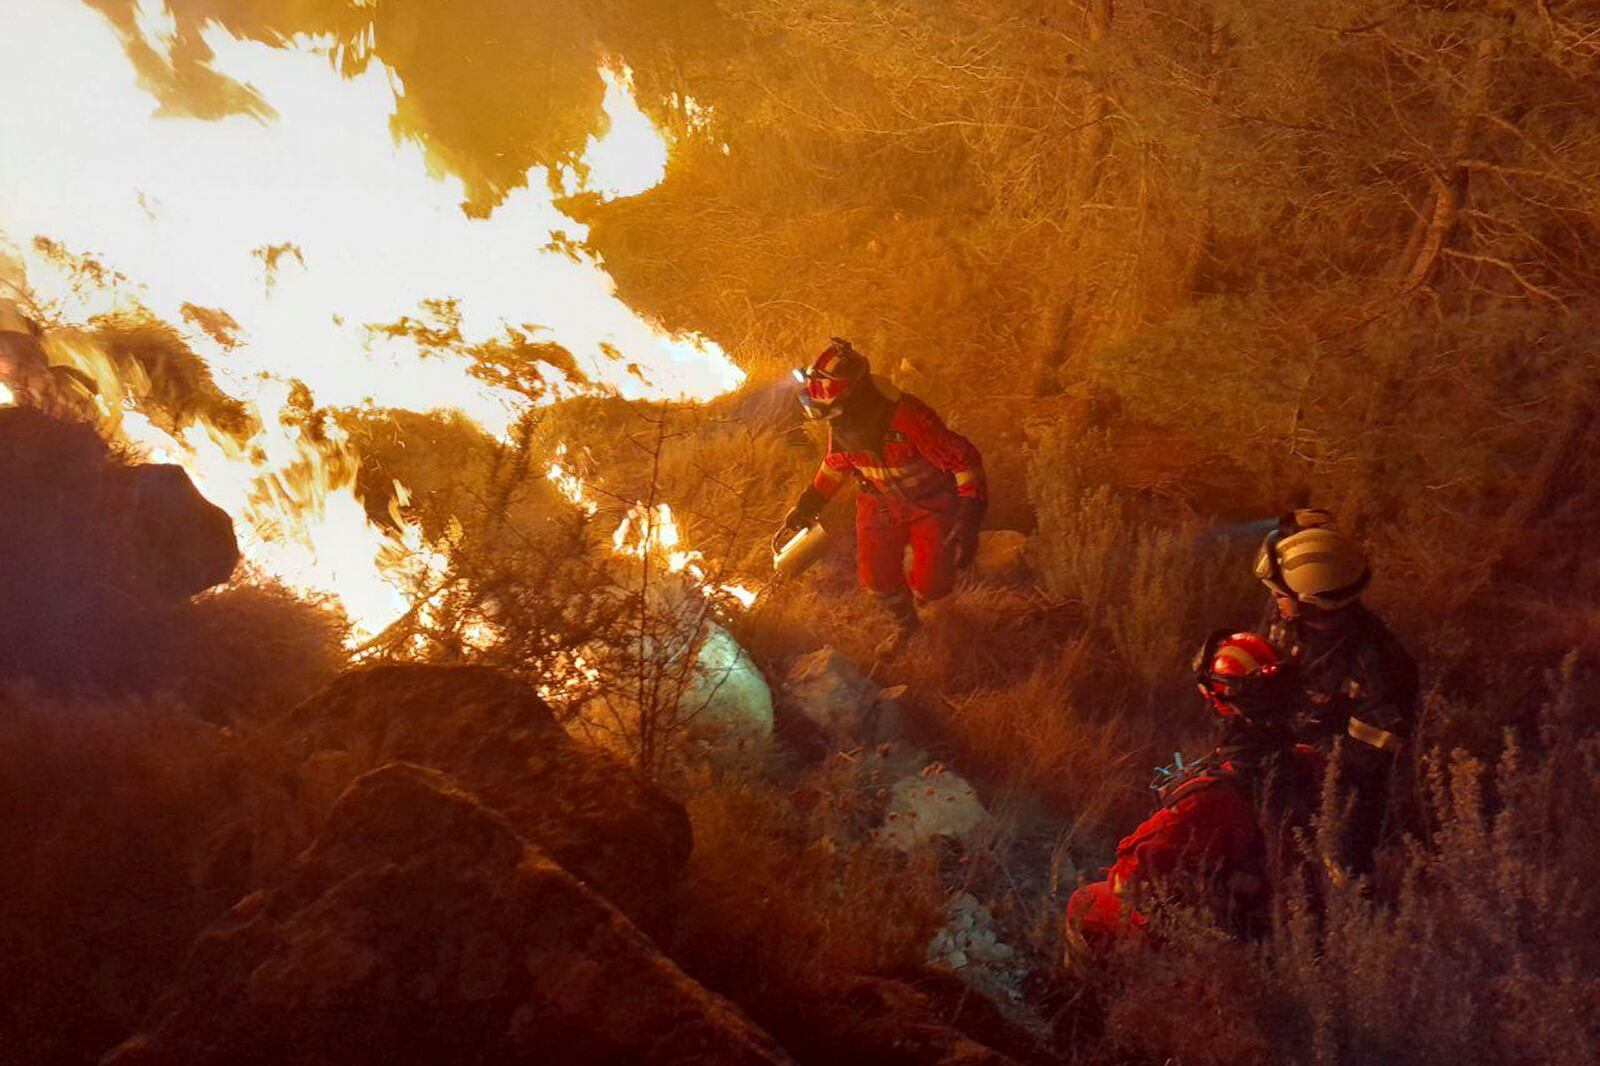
{"points": [[569, 484], [309, 227], [647, 533], [631, 156], [7, 397]]}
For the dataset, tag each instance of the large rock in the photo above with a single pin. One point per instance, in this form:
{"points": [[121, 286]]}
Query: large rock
{"points": [[714, 704], [91, 548], [180, 541], [935, 802], [728, 691], [841, 701], [420, 928], [1002, 556], [594, 815]]}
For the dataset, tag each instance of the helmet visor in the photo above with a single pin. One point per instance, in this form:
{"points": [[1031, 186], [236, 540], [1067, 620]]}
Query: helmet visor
{"points": [[820, 392], [1267, 571]]}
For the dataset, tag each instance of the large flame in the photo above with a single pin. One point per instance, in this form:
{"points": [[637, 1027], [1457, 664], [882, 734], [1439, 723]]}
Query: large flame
{"points": [[307, 229]]}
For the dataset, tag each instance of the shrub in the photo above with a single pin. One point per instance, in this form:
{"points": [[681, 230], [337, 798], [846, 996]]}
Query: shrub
{"points": [[1150, 584], [1476, 948], [109, 808], [775, 907]]}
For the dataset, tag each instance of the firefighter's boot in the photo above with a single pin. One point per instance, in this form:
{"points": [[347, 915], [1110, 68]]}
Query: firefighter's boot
{"points": [[903, 616]]}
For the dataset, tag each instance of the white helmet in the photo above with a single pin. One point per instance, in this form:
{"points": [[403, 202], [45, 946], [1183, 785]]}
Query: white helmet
{"points": [[1313, 563]]}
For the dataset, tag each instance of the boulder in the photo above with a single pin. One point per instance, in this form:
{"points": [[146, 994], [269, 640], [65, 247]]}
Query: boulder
{"points": [[93, 549], [181, 542], [1002, 556], [728, 691], [421, 928], [934, 803], [588, 811], [713, 704], [851, 711]]}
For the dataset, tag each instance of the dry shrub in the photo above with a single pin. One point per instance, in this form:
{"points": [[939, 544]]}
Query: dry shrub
{"points": [[116, 813], [108, 808], [251, 650], [1149, 590], [1476, 948], [1204, 1012], [1044, 740], [776, 911], [729, 469]]}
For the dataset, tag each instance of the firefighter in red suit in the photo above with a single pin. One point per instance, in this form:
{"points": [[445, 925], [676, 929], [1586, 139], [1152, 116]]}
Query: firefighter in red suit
{"points": [[920, 484], [1223, 824]]}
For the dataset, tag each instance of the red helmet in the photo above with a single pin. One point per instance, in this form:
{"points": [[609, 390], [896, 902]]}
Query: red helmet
{"points": [[1241, 675], [830, 378]]}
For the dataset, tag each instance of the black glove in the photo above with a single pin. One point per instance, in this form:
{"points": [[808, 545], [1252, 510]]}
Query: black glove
{"points": [[963, 537], [801, 515]]}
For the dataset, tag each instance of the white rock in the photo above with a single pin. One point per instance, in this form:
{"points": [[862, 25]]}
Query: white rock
{"points": [[924, 806], [727, 687], [829, 690], [1002, 555]]}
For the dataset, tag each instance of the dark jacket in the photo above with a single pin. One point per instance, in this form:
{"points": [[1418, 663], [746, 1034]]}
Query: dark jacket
{"points": [[1358, 683]]}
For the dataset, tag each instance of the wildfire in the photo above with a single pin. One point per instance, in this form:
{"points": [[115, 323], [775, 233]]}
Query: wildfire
{"points": [[310, 232]]}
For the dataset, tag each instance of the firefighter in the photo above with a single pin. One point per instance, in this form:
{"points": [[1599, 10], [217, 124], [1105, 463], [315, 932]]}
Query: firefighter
{"points": [[920, 485], [1357, 684], [1221, 829]]}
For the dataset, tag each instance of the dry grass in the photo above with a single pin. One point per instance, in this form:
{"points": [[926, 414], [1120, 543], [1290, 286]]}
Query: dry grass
{"points": [[777, 910], [1086, 765], [108, 809], [121, 818]]}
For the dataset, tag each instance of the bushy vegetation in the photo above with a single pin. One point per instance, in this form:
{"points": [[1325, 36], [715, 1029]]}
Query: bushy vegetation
{"points": [[1478, 948]]}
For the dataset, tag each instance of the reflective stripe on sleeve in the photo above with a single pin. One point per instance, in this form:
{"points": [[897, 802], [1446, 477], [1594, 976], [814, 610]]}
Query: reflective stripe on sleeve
{"points": [[1381, 739]]}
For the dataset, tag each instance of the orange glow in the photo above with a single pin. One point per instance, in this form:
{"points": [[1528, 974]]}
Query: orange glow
{"points": [[307, 227]]}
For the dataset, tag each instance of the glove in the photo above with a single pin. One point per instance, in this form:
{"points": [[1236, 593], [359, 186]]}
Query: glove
{"points": [[801, 515], [963, 536]]}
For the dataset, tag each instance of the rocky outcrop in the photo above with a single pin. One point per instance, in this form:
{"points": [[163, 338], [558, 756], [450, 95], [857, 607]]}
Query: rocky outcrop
{"points": [[91, 547], [422, 928], [597, 817]]}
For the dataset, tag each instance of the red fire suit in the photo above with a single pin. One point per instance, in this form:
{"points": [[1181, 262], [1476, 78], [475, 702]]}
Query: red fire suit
{"points": [[1204, 845], [909, 490]]}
